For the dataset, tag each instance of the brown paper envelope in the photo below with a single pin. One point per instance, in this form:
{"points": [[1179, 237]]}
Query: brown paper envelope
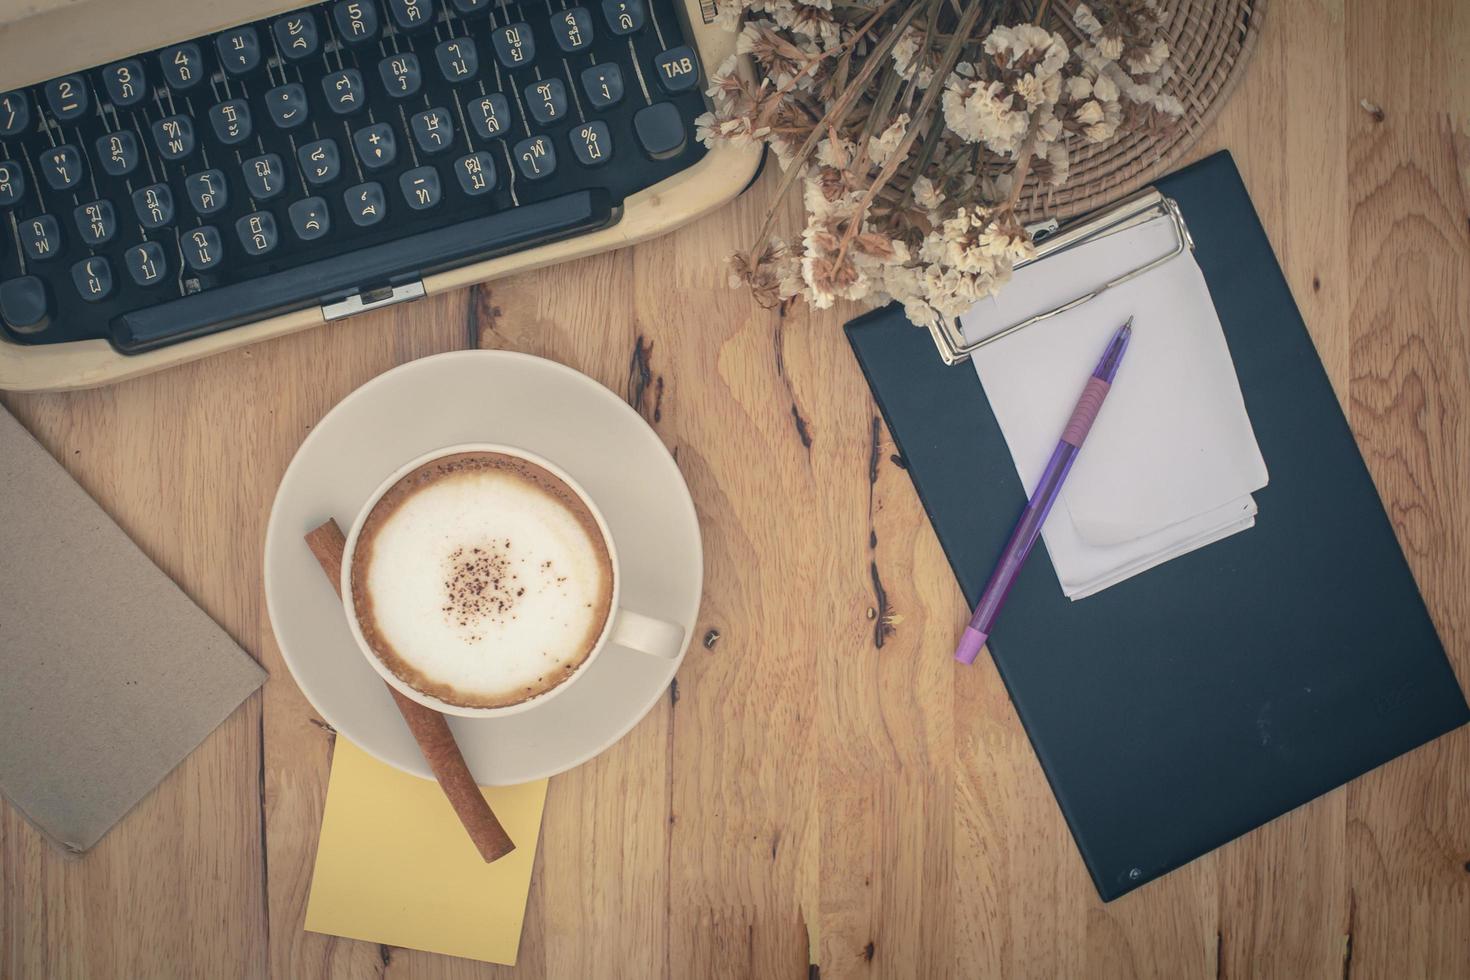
{"points": [[109, 674]]}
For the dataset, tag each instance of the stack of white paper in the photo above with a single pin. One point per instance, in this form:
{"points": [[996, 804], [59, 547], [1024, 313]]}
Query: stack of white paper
{"points": [[1171, 463]]}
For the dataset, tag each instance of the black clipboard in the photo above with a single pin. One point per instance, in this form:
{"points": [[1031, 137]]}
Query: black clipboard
{"points": [[1192, 703]]}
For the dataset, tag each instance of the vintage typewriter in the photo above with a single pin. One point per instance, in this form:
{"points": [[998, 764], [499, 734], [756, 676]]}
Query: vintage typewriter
{"points": [[178, 179]]}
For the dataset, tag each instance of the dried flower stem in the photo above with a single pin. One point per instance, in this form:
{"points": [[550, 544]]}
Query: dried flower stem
{"points": [[834, 118], [931, 98]]}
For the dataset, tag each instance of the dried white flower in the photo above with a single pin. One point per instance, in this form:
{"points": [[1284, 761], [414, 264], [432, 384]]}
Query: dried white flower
{"points": [[926, 195], [882, 146], [836, 153], [1152, 60], [1061, 163], [728, 13], [1086, 20], [905, 55], [812, 22], [983, 112]]}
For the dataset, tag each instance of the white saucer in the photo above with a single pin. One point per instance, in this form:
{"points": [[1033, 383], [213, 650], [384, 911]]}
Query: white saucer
{"points": [[519, 400]]}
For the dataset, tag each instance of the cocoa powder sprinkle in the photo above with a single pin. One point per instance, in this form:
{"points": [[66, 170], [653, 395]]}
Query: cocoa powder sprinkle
{"points": [[480, 586]]}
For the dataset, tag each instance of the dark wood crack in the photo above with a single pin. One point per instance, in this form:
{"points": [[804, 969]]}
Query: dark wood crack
{"points": [[265, 854], [472, 317], [642, 380], [802, 432], [882, 619]]}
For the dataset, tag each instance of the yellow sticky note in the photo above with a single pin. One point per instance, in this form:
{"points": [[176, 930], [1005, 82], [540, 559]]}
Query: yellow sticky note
{"points": [[394, 865]]}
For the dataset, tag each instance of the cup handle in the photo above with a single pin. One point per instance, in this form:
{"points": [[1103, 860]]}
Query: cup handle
{"points": [[647, 635]]}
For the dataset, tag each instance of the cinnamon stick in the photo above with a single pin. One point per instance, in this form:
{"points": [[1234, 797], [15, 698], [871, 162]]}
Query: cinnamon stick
{"points": [[430, 728]]}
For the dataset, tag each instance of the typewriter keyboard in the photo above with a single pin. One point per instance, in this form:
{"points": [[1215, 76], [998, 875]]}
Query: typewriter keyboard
{"points": [[346, 146]]}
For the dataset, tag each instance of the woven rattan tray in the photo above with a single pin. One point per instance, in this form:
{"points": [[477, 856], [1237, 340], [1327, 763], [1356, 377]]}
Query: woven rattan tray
{"points": [[1210, 44]]}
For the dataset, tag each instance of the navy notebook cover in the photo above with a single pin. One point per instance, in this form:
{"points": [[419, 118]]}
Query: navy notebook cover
{"points": [[1198, 700]]}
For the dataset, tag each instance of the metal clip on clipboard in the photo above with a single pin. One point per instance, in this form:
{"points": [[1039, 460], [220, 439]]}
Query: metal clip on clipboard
{"points": [[1134, 210]]}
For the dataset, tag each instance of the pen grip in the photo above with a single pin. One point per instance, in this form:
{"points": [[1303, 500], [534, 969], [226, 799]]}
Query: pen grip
{"points": [[1086, 412]]}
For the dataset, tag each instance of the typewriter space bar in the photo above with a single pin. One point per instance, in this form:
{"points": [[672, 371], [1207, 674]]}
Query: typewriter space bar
{"points": [[310, 283]]}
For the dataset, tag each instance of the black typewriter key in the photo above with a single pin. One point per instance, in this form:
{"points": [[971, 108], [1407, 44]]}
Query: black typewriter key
{"points": [[202, 248], [126, 83], [296, 35], [118, 153], [572, 29], [174, 137], [93, 279], [12, 183], [546, 100], [265, 176], [320, 162], [40, 237], [67, 96], [660, 130], [401, 75], [183, 65], [208, 192], [154, 205], [25, 304], [377, 145], [257, 233], [535, 158], [603, 85], [356, 20], [433, 130], [15, 114], [677, 70], [411, 15], [468, 7], [476, 173], [514, 45], [459, 59], [591, 143], [287, 105], [231, 121], [489, 116], [146, 263], [366, 204], [96, 222], [239, 50], [309, 219], [62, 167], [624, 16], [421, 188], [344, 91]]}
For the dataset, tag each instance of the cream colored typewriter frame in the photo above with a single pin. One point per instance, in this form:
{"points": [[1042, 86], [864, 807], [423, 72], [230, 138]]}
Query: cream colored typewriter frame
{"points": [[96, 32]]}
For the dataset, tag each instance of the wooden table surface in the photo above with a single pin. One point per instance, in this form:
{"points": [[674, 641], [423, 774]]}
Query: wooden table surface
{"points": [[822, 785]]}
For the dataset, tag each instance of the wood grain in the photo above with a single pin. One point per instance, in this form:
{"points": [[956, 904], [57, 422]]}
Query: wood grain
{"points": [[820, 782]]}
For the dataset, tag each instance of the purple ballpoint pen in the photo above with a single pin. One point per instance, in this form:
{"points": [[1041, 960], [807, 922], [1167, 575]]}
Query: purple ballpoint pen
{"points": [[1028, 528]]}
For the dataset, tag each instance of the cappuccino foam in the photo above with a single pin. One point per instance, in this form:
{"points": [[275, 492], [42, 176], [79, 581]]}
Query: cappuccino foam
{"points": [[481, 579]]}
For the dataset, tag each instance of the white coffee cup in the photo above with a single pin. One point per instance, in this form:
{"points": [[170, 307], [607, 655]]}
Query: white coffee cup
{"points": [[623, 628]]}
